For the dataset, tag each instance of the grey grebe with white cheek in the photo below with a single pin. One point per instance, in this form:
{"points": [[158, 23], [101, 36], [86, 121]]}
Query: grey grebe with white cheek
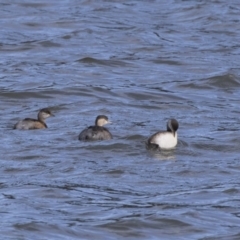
{"points": [[97, 132], [165, 139], [29, 123]]}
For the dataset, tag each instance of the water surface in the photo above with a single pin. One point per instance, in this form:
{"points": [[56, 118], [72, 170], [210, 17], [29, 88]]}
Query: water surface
{"points": [[140, 63]]}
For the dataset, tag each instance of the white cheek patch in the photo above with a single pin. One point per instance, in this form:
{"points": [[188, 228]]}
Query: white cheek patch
{"points": [[46, 115]]}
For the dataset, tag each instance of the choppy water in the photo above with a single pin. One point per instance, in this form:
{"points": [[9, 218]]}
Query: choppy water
{"points": [[140, 63]]}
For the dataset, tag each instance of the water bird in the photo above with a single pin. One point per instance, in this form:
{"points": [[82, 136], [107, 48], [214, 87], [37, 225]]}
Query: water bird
{"points": [[29, 123], [165, 139], [96, 132]]}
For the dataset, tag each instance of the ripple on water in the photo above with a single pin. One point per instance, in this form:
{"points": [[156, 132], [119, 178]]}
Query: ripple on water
{"points": [[140, 63], [110, 62], [222, 82]]}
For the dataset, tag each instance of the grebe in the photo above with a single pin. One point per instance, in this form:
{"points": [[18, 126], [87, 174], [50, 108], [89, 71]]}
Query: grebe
{"points": [[165, 139], [29, 123], [97, 132]]}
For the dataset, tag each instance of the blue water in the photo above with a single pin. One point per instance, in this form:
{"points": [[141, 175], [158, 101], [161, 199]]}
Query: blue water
{"points": [[140, 63]]}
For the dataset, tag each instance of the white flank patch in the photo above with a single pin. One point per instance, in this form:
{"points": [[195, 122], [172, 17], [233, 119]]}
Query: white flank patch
{"points": [[165, 140]]}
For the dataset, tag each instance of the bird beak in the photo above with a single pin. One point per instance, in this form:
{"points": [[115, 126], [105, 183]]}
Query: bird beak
{"points": [[109, 122]]}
